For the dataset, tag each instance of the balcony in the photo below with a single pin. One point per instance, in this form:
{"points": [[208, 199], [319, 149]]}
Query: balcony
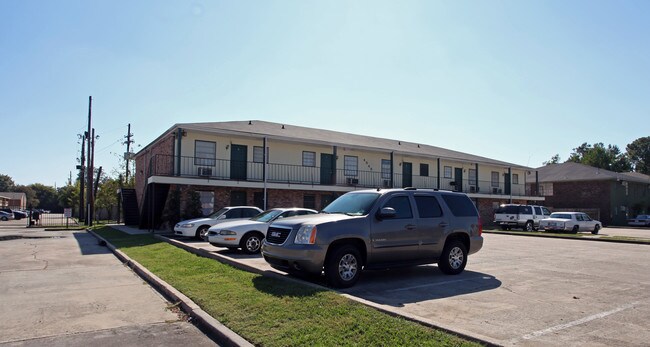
{"points": [[219, 169]]}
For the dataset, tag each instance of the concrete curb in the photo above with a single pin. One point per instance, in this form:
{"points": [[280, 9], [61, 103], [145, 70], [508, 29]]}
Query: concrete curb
{"points": [[555, 236], [225, 336], [383, 308]]}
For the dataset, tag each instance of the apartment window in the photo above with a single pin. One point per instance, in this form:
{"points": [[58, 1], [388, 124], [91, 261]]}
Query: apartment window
{"points": [[495, 179], [447, 172], [424, 169], [385, 168], [258, 154], [205, 153], [309, 201], [515, 178], [472, 177], [207, 202], [308, 158], [351, 165]]}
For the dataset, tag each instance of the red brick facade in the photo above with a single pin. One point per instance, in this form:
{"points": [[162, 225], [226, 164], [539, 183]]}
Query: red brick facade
{"points": [[583, 195], [163, 146]]}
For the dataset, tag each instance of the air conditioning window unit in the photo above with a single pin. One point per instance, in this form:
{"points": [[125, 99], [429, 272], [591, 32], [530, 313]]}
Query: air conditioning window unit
{"points": [[472, 189], [205, 171], [495, 190], [386, 184], [352, 180]]}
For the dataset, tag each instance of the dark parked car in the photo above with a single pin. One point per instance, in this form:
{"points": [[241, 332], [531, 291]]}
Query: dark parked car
{"points": [[17, 214], [377, 229]]}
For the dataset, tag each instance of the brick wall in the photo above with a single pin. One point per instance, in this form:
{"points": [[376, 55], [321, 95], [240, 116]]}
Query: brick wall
{"points": [[163, 146], [583, 195]]}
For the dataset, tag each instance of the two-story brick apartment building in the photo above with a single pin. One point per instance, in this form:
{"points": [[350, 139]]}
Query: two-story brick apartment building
{"points": [[609, 196], [277, 165]]}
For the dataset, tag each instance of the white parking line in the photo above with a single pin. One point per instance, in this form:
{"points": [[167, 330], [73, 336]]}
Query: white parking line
{"points": [[440, 283], [578, 322]]}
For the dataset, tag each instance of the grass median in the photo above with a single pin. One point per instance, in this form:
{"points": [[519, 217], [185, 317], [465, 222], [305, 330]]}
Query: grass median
{"points": [[272, 312]]}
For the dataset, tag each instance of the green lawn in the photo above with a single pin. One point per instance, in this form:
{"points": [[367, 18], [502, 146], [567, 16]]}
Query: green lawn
{"points": [[273, 312]]}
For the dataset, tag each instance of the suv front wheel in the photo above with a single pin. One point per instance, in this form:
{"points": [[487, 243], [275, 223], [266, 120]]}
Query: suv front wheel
{"points": [[453, 258], [343, 267]]}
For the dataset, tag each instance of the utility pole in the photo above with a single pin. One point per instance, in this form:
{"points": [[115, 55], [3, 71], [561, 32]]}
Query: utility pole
{"points": [[82, 178], [89, 168], [127, 155]]}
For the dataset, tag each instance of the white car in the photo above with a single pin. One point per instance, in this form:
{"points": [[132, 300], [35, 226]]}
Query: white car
{"points": [[5, 216], [198, 227], [570, 221], [642, 220], [249, 234]]}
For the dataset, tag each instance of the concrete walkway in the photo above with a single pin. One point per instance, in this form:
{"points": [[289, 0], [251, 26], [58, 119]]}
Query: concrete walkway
{"points": [[62, 288]]}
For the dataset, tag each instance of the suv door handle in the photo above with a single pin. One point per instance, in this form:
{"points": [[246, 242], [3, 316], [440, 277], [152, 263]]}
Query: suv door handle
{"points": [[443, 224], [410, 226]]}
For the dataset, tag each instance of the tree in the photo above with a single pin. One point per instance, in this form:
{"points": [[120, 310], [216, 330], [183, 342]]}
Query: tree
{"points": [[172, 210], [46, 195], [608, 158], [68, 197], [639, 153], [554, 160], [107, 195], [7, 184], [193, 206]]}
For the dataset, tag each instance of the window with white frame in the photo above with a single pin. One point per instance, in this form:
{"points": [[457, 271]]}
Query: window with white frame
{"points": [[447, 172], [515, 178], [207, 202], [495, 179], [385, 169], [258, 154], [472, 177], [308, 158], [205, 153], [424, 170], [351, 165]]}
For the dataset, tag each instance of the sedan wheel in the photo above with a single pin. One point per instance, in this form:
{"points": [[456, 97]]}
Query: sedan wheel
{"points": [[596, 229], [252, 243], [201, 232]]}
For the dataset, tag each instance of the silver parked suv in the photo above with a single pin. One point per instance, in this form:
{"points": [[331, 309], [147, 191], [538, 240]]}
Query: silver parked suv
{"points": [[377, 229]]}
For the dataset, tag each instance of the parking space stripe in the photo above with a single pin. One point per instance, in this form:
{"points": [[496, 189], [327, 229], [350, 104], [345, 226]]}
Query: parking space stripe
{"points": [[440, 283], [578, 322]]}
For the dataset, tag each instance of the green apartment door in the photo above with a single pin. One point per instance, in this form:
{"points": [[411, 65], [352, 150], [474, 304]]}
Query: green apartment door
{"points": [[238, 159], [407, 175], [326, 168], [458, 179]]}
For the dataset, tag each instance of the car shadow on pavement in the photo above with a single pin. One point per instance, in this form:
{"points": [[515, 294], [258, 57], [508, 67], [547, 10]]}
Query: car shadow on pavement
{"points": [[397, 287], [88, 244]]}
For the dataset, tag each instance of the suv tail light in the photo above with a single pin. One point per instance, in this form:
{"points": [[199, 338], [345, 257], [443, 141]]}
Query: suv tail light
{"points": [[480, 226]]}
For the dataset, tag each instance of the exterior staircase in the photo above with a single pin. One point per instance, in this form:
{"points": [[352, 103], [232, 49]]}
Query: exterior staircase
{"points": [[130, 206]]}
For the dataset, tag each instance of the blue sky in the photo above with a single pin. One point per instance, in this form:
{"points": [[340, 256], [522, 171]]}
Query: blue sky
{"points": [[517, 81]]}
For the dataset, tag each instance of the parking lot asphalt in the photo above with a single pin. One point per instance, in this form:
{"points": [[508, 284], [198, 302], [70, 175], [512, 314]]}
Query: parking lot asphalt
{"points": [[62, 288], [519, 291]]}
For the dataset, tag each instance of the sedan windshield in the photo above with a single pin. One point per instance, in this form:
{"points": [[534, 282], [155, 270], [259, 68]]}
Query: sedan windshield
{"points": [[267, 216], [358, 204]]}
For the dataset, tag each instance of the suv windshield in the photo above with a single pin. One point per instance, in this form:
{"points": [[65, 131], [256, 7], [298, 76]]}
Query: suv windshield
{"points": [[358, 204], [218, 213], [266, 216]]}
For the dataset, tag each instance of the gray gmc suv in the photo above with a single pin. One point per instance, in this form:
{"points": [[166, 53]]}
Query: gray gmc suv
{"points": [[377, 229]]}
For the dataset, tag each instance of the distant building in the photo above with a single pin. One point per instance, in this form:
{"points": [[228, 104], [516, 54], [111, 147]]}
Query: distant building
{"points": [[611, 197], [14, 200], [279, 165]]}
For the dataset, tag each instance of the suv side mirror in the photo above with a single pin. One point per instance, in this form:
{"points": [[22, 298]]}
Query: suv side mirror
{"points": [[386, 213]]}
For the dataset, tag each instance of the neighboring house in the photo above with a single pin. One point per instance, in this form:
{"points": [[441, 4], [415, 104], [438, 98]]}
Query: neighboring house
{"points": [[276, 165], [15, 200], [613, 196]]}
